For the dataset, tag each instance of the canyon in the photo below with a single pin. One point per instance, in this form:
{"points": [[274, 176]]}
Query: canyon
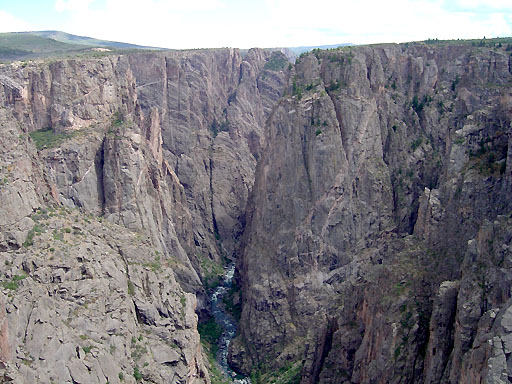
{"points": [[364, 194]]}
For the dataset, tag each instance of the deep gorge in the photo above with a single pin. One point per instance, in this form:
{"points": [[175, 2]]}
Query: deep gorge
{"points": [[363, 193]]}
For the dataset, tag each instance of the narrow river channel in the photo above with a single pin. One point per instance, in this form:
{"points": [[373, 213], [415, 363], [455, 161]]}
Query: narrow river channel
{"points": [[227, 322]]}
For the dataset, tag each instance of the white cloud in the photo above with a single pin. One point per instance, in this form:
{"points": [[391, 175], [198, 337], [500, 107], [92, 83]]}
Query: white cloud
{"points": [[489, 4], [9, 23], [72, 5], [152, 22], [211, 23], [385, 21]]}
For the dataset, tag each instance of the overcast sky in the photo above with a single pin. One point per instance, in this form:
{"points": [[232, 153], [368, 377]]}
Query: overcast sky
{"points": [[263, 23]]}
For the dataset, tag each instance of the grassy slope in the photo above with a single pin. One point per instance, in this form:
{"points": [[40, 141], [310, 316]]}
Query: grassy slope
{"points": [[84, 40], [17, 46]]}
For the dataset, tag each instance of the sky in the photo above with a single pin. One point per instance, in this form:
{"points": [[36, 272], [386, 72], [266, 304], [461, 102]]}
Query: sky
{"points": [[260, 23]]}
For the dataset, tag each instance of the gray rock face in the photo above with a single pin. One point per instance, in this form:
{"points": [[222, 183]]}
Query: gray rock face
{"points": [[163, 145], [90, 301], [380, 165], [365, 191]]}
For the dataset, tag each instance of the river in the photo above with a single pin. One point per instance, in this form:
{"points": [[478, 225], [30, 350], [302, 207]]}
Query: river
{"points": [[228, 324]]}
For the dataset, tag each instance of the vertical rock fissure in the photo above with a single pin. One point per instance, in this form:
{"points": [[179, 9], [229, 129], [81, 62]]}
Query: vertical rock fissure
{"points": [[99, 164], [306, 165], [212, 205], [327, 346], [339, 119]]}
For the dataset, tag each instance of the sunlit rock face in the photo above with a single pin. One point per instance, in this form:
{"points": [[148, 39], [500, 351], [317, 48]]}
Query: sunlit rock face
{"points": [[124, 182]]}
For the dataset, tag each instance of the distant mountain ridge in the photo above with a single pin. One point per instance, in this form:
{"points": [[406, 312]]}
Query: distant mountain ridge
{"points": [[85, 40]]}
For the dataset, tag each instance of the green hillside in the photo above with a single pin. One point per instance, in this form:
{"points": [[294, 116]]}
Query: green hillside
{"points": [[84, 40], [20, 46]]}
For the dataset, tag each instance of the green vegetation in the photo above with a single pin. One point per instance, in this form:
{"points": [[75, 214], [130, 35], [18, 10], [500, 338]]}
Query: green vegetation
{"points": [[131, 288], [58, 235], [290, 374], [155, 265], [87, 349], [416, 105], [210, 333], [13, 285], [48, 138], [136, 373], [85, 41], [296, 90], [232, 302], [416, 143], [55, 44], [455, 82], [276, 62], [17, 46], [333, 86], [216, 375], [217, 127], [36, 229], [138, 349], [459, 140], [117, 120], [318, 132], [211, 272], [117, 126], [490, 158]]}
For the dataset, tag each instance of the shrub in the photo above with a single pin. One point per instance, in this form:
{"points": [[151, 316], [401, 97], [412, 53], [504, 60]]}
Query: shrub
{"points": [[117, 120], [416, 143], [137, 374], [228, 300], [48, 138], [210, 333], [416, 105], [36, 229], [334, 85], [297, 90], [87, 349], [131, 288], [455, 82]]}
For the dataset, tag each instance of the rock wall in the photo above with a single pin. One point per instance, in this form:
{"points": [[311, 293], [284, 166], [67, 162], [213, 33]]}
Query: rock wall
{"points": [[383, 168], [365, 192], [162, 148]]}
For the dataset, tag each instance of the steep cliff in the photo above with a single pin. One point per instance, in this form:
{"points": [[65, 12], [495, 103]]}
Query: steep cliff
{"points": [[364, 257], [164, 146], [364, 191]]}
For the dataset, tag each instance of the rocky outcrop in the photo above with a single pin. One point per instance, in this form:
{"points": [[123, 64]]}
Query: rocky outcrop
{"points": [[86, 304], [382, 166]]}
